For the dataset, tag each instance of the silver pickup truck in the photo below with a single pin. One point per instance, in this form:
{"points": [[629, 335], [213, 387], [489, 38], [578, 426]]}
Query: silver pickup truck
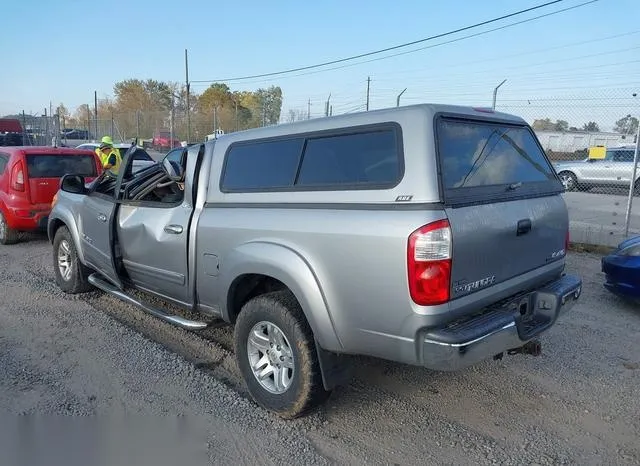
{"points": [[428, 235]]}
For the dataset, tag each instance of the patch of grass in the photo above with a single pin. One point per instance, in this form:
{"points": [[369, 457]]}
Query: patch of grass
{"points": [[590, 248]]}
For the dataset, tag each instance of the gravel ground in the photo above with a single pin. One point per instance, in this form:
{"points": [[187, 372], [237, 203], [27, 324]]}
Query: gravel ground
{"points": [[578, 403]]}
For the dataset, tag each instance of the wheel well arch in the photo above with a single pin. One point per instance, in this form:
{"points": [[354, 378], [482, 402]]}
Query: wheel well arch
{"points": [[53, 227], [246, 287]]}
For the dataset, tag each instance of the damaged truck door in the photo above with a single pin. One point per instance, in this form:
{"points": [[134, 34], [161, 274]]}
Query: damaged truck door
{"points": [[153, 229]]}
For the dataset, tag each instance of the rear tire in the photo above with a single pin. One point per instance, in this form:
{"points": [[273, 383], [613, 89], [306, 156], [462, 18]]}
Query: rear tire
{"points": [[7, 235], [71, 275], [273, 337]]}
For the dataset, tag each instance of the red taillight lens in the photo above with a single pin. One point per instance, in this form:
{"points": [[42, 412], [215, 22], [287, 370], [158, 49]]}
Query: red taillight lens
{"points": [[429, 263], [17, 177]]}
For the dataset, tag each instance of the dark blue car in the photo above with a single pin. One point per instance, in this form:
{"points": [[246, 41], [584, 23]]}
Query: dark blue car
{"points": [[622, 269]]}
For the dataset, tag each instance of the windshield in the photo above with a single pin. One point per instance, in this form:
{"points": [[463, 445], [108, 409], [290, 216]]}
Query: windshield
{"points": [[56, 166], [474, 154]]}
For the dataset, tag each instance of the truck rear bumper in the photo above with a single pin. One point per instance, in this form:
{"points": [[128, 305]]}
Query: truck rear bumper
{"points": [[509, 324]]}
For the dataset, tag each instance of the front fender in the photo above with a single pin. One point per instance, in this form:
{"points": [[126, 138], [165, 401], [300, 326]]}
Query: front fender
{"points": [[289, 267], [62, 215]]}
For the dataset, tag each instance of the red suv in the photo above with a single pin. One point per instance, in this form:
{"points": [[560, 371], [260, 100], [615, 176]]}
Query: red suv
{"points": [[162, 141], [29, 178]]}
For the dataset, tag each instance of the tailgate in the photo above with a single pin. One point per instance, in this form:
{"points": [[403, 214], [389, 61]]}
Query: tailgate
{"points": [[45, 170], [495, 242], [502, 199]]}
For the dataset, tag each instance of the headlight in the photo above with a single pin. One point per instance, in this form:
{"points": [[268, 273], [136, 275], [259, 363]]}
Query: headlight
{"points": [[633, 250]]}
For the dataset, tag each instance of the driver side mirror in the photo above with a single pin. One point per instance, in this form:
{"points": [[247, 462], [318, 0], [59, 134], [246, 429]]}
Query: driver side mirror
{"points": [[73, 184], [172, 169]]}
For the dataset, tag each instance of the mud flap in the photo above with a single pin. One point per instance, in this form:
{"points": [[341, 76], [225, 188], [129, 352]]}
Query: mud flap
{"points": [[334, 367]]}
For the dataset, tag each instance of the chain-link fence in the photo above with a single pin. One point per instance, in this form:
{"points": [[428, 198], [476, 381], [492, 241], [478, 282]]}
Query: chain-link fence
{"points": [[590, 136], [591, 139]]}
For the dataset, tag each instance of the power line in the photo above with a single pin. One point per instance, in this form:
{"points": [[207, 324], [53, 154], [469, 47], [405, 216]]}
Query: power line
{"points": [[395, 47], [380, 76]]}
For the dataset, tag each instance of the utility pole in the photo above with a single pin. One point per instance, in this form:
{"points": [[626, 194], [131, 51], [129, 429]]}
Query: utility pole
{"points": [[309, 109], [326, 106], [398, 98], [95, 107], [368, 87], [215, 119], [495, 94], [186, 69], [112, 124]]}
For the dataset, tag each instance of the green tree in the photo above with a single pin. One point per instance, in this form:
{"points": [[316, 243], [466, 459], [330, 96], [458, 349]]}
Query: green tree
{"points": [[591, 126], [561, 125], [626, 125], [543, 124]]}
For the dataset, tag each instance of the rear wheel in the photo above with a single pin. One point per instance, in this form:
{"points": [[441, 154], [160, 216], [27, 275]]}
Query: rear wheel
{"points": [[7, 234], [71, 275], [276, 354]]}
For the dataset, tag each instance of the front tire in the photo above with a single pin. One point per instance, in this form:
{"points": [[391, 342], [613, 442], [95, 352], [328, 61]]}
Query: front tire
{"points": [[569, 181], [7, 234], [71, 275], [277, 356]]}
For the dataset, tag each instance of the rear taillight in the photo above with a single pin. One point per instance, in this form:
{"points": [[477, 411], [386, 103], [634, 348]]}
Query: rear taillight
{"points": [[17, 177], [429, 263]]}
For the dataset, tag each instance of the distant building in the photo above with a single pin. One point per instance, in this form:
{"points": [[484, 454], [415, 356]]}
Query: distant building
{"points": [[572, 141]]}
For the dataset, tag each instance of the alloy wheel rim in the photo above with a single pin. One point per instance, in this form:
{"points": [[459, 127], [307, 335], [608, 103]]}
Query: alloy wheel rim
{"points": [[567, 181], [270, 357], [64, 260]]}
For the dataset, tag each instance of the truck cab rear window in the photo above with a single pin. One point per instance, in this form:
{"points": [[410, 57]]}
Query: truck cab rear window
{"points": [[340, 161], [56, 166], [477, 154]]}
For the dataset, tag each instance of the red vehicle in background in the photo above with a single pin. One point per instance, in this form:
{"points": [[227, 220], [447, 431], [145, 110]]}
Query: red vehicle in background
{"points": [[162, 141], [29, 178]]}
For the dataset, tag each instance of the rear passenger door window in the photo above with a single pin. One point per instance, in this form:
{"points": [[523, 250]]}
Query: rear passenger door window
{"points": [[369, 158], [262, 166]]}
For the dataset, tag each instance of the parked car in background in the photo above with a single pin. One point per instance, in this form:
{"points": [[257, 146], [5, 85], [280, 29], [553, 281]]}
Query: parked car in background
{"points": [[162, 141], [29, 178], [76, 134], [614, 170], [622, 269], [141, 157], [430, 235]]}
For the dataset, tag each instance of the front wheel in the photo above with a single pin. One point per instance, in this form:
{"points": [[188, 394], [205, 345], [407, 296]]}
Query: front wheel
{"points": [[277, 356], [569, 181], [71, 275]]}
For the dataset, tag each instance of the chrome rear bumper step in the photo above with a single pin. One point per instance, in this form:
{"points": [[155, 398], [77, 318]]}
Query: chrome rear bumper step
{"points": [[178, 321]]}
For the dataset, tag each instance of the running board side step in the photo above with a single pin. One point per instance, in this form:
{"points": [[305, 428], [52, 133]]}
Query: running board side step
{"points": [[178, 321]]}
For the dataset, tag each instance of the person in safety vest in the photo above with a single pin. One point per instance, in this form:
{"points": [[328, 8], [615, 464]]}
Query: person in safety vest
{"points": [[109, 156]]}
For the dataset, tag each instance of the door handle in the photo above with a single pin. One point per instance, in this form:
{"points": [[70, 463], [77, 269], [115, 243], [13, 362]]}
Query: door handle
{"points": [[524, 227], [173, 229], [102, 217]]}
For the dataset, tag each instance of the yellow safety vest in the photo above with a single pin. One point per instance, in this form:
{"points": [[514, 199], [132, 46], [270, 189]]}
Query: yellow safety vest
{"points": [[104, 159]]}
